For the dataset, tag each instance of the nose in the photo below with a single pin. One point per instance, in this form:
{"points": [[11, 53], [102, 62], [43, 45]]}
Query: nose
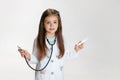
{"points": [[51, 24]]}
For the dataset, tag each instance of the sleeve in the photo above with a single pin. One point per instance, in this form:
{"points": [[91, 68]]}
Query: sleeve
{"points": [[70, 54], [33, 56]]}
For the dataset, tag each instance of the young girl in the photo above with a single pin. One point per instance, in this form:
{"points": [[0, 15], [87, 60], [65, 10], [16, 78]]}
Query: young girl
{"points": [[50, 41]]}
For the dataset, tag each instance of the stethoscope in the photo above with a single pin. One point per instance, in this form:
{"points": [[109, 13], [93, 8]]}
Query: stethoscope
{"points": [[48, 59]]}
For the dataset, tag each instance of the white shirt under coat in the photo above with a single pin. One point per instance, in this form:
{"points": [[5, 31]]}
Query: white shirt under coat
{"points": [[54, 70]]}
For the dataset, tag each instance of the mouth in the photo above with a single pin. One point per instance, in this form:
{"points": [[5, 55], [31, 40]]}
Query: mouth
{"points": [[51, 29]]}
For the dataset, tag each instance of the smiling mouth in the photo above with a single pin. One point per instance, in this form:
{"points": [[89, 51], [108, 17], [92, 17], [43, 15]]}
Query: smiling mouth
{"points": [[51, 29]]}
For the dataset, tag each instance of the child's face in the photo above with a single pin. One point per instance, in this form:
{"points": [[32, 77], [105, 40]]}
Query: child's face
{"points": [[51, 24]]}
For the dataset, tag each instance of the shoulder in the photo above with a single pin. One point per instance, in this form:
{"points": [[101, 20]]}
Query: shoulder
{"points": [[66, 43], [35, 42]]}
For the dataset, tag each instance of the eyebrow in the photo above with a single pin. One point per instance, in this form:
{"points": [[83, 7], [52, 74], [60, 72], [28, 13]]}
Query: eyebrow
{"points": [[53, 20]]}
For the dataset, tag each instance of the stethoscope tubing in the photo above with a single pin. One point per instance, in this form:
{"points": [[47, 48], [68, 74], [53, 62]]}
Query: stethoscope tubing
{"points": [[46, 63]]}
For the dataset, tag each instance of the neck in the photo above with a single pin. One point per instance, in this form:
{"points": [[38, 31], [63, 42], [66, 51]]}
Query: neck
{"points": [[50, 35]]}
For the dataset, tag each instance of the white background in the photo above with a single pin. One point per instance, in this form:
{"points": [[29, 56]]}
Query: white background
{"points": [[98, 20]]}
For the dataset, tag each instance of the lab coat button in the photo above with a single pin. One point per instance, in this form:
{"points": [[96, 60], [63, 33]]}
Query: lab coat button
{"points": [[52, 61], [52, 73]]}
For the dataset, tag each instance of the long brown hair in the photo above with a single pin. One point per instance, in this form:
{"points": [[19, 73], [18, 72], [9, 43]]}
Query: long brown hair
{"points": [[41, 45]]}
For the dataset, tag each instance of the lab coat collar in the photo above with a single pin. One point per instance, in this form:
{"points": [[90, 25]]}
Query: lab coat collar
{"points": [[48, 45]]}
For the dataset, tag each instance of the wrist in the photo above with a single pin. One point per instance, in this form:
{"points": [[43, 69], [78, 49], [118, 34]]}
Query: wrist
{"points": [[28, 56]]}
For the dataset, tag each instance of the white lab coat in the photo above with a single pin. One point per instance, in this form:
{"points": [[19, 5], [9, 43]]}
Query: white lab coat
{"points": [[54, 70]]}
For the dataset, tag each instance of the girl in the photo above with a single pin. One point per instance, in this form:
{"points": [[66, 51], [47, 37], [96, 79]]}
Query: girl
{"points": [[50, 41]]}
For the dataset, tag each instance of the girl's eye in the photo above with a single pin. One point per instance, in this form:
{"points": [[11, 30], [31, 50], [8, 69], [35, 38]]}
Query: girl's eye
{"points": [[55, 22], [48, 22]]}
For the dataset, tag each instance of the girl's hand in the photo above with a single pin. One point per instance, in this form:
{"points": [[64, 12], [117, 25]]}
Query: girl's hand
{"points": [[78, 47], [24, 53]]}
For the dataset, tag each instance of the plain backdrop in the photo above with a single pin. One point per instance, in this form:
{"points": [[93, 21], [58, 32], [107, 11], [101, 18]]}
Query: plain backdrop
{"points": [[97, 20]]}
